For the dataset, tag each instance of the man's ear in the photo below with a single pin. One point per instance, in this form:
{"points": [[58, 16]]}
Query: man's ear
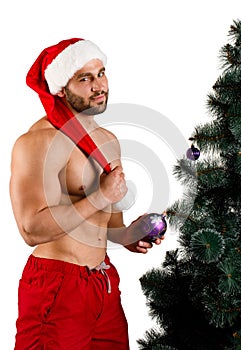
{"points": [[61, 93]]}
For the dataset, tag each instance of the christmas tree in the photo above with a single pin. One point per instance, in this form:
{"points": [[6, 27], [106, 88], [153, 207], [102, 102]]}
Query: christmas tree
{"points": [[195, 295]]}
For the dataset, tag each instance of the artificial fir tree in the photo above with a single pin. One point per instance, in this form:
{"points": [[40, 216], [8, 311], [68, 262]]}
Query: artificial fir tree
{"points": [[195, 296]]}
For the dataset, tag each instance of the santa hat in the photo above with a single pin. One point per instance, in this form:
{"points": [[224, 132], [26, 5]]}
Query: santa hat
{"points": [[50, 73], [67, 62]]}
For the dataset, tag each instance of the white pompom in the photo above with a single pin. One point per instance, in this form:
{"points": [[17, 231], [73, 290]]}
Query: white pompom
{"points": [[128, 200]]}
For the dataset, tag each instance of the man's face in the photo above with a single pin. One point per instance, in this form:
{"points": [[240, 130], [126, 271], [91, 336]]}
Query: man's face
{"points": [[87, 91]]}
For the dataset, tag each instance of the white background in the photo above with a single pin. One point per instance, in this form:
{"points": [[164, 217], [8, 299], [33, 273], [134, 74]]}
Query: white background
{"points": [[161, 54]]}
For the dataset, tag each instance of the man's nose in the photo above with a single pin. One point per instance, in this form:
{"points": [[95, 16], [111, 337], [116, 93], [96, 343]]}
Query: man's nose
{"points": [[97, 85]]}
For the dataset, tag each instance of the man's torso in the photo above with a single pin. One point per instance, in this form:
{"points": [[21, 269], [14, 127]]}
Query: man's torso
{"points": [[78, 176]]}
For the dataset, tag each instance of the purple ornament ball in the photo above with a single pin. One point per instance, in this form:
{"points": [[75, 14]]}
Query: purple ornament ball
{"points": [[193, 153], [153, 226]]}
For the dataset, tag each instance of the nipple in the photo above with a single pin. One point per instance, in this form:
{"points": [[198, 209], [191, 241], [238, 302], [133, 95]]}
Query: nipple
{"points": [[82, 187]]}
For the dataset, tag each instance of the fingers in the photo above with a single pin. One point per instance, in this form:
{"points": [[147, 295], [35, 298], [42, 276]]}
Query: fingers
{"points": [[113, 185], [117, 168], [144, 246], [118, 171], [120, 178]]}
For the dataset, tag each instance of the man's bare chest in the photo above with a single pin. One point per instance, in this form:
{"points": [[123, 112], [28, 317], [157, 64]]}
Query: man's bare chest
{"points": [[79, 173], [80, 176]]}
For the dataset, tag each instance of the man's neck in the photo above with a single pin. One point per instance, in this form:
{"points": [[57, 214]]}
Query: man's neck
{"points": [[88, 121]]}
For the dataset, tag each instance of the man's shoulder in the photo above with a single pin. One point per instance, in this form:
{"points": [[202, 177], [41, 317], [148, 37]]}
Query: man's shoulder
{"points": [[39, 134], [108, 134], [42, 144], [42, 126]]}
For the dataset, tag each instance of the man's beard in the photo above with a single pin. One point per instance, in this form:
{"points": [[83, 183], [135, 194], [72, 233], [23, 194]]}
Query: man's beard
{"points": [[79, 105]]}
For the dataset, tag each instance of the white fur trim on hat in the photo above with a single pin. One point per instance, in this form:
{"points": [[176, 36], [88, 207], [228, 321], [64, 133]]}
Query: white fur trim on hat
{"points": [[71, 59]]}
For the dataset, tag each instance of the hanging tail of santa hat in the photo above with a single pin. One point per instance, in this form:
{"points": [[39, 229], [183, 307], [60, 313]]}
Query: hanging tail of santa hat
{"points": [[50, 73]]}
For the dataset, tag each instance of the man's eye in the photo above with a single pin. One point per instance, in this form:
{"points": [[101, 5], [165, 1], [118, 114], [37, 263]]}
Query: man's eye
{"points": [[101, 74], [84, 79]]}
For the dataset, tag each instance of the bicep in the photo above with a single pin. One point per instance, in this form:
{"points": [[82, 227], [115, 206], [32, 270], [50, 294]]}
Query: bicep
{"points": [[31, 188]]}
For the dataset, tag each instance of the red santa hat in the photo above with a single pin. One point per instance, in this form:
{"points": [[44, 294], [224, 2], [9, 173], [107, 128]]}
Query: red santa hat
{"points": [[68, 61], [50, 73]]}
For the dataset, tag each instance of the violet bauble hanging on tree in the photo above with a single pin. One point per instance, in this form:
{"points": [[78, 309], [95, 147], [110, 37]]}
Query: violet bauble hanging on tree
{"points": [[193, 153]]}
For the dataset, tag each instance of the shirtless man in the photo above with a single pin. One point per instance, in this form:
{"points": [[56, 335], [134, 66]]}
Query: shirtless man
{"points": [[63, 204]]}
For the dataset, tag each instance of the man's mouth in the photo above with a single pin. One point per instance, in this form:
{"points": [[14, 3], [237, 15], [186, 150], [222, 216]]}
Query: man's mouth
{"points": [[98, 98]]}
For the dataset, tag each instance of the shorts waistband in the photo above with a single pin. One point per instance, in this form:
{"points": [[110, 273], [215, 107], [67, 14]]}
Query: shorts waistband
{"points": [[60, 265]]}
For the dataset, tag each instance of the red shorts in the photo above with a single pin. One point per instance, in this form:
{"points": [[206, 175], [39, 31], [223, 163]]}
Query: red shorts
{"points": [[63, 306]]}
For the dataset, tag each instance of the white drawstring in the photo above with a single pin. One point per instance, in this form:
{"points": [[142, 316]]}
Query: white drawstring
{"points": [[102, 267]]}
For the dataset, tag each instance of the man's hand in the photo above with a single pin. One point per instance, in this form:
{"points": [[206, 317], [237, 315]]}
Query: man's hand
{"points": [[138, 242], [142, 246], [113, 186]]}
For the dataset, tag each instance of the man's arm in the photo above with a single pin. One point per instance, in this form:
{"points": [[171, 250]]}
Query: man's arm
{"points": [[36, 191]]}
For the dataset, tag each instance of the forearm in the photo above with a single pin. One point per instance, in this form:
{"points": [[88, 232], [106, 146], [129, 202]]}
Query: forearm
{"points": [[54, 222], [117, 230], [117, 235]]}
